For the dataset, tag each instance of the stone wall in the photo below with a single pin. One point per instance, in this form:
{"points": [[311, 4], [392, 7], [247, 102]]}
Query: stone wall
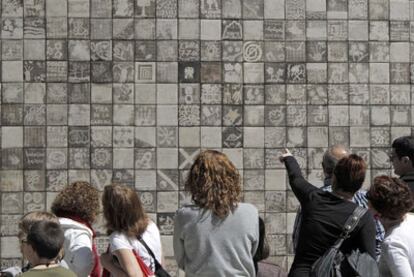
{"points": [[131, 90]]}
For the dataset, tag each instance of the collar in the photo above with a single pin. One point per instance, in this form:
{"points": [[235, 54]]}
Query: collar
{"points": [[407, 176], [327, 182]]}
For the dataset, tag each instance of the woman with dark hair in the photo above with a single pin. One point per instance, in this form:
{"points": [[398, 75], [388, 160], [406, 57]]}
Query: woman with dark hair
{"points": [[128, 227], [217, 235], [325, 213], [391, 199], [77, 206]]}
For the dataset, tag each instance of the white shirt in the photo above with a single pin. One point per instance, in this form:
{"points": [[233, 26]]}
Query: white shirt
{"points": [[78, 255], [151, 236], [397, 258]]}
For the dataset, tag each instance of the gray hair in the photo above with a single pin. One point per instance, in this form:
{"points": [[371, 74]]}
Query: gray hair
{"points": [[331, 158]]}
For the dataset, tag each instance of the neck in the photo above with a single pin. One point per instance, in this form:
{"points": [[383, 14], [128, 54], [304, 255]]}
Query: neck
{"points": [[389, 223], [43, 263], [343, 195]]}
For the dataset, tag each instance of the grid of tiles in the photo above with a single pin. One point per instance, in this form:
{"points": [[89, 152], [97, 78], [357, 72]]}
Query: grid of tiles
{"points": [[131, 90]]}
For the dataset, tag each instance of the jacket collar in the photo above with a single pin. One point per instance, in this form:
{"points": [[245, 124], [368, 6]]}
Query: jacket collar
{"points": [[408, 176]]}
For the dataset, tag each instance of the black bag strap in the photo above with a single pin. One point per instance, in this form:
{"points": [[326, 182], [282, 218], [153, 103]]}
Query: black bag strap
{"points": [[142, 241], [350, 225]]}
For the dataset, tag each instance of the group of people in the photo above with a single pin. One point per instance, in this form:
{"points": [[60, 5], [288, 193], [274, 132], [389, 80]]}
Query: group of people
{"points": [[383, 232], [218, 235]]}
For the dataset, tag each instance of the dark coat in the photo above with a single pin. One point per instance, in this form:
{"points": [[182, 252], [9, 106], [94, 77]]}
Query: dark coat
{"points": [[409, 179]]}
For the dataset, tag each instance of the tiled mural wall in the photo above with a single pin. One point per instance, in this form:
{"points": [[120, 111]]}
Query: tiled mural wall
{"points": [[130, 90]]}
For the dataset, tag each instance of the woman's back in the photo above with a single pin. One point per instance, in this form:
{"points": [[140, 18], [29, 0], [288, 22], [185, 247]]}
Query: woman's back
{"points": [[151, 236], [205, 245], [323, 219]]}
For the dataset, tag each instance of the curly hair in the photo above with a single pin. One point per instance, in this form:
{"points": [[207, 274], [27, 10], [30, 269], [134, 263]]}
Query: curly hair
{"points": [[77, 199], [391, 197], [214, 183], [123, 211]]}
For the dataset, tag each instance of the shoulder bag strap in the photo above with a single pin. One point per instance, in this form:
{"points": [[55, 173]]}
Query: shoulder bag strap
{"points": [[142, 241], [350, 225]]}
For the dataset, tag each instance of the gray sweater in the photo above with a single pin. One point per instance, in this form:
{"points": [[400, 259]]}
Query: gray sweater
{"points": [[204, 245]]}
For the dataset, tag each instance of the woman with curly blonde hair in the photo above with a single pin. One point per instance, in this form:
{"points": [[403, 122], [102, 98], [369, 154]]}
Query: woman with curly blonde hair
{"points": [[217, 235], [77, 206]]}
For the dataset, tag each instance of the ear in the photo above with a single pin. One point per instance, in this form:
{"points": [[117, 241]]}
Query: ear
{"points": [[406, 160]]}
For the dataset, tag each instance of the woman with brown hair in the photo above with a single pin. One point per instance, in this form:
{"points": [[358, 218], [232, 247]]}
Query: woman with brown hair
{"points": [[128, 227], [77, 206], [325, 213], [217, 235], [391, 199]]}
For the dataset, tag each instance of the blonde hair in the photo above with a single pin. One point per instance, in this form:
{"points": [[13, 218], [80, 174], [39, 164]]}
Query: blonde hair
{"points": [[214, 183]]}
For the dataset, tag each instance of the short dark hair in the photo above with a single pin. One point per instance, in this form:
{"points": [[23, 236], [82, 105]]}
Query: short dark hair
{"points": [[350, 173], [46, 239], [404, 146], [391, 197]]}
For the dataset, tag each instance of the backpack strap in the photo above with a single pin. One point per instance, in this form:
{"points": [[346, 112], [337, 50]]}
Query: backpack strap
{"points": [[350, 225], [142, 241]]}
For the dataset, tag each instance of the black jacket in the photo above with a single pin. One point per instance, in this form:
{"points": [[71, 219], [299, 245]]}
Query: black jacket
{"points": [[409, 179]]}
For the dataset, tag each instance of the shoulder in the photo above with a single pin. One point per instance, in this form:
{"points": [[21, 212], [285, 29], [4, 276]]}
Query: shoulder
{"points": [[118, 236], [248, 209], [65, 272], [402, 232], [367, 221], [72, 226], [152, 229], [187, 211]]}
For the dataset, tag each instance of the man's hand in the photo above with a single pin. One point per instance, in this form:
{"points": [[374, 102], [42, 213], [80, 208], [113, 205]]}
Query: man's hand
{"points": [[285, 153]]}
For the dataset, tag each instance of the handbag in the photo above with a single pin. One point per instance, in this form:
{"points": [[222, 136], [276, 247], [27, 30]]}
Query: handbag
{"points": [[159, 270], [334, 263], [146, 271]]}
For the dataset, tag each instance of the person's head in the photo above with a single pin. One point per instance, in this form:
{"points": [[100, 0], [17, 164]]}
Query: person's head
{"points": [[402, 155], [27, 221], [123, 210], [214, 183], [331, 158], [77, 199], [390, 198], [349, 174], [43, 242]]}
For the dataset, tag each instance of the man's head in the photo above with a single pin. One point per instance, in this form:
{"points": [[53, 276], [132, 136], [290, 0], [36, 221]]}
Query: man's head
{"points": [[331, 158], [402, 155], [44, 242]]}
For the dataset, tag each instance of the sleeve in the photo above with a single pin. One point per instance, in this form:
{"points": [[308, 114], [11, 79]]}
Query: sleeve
{"points": [[178, 241], [82, 260], [367, 235], [397, 258], [296, 228], [257, 238], [119, 241], [300, 187]]}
